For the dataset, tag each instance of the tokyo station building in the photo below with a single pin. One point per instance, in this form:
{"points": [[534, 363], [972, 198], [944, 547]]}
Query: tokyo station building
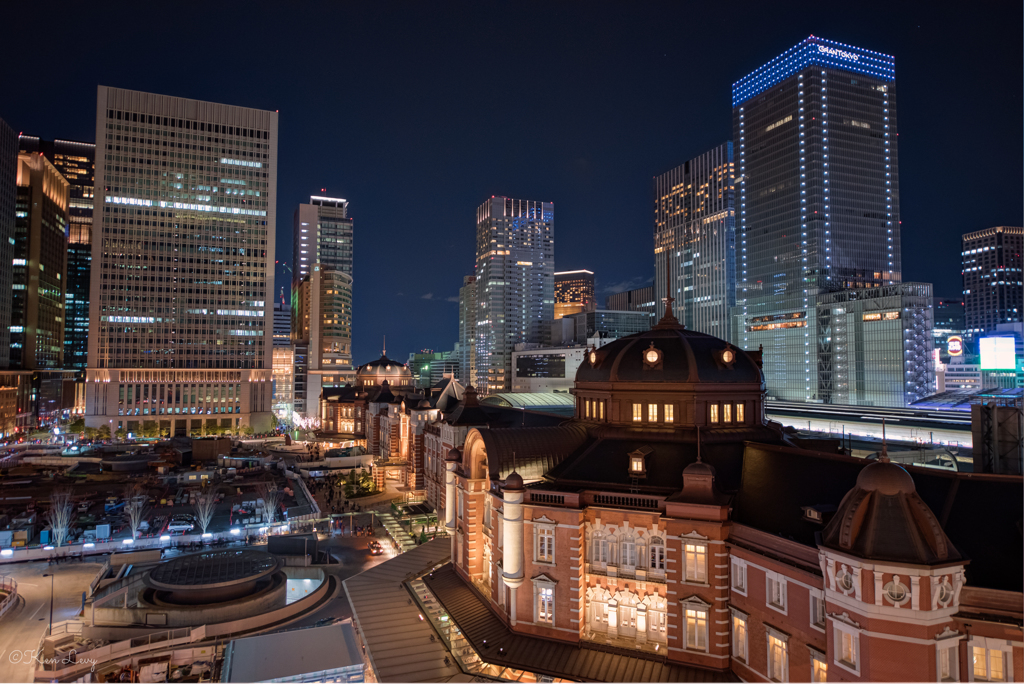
{"points": [[669, 532]]}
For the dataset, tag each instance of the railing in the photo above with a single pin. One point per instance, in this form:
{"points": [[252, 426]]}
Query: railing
{"points": [[554, 499], [627, 501], [9, 586]]}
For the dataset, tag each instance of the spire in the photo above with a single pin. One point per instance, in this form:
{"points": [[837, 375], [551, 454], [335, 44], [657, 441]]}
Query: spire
{"points": [[384, 350], [668, 320], [884, 456]]}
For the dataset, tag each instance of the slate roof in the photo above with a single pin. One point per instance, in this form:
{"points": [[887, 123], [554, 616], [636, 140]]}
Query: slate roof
{"points": [[583, 662], [981, 514], [531, 451]]}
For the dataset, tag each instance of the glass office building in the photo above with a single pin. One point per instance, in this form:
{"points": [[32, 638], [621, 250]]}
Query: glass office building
{"points": [[993, 275], [322, 234], [877, 345], [8, 200], [818, 201], [76, 161], [515, 259], [181, 304], [695, 240]]}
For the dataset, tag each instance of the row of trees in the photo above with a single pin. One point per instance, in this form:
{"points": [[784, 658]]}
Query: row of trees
{"points": [[62, 516], [151, 429]]}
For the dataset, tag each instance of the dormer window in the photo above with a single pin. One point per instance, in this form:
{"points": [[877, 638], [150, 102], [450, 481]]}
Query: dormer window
{"points": [[652, 358], [638, 462]]}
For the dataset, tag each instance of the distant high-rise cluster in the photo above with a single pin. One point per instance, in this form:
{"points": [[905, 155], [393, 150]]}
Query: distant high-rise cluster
{"points": [[515, 259]]}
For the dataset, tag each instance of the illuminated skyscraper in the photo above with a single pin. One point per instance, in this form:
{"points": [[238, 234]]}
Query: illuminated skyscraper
{"points": [[180, 302], [39, 265], [574, 292], [76, 161], [814, 132], [515, 257], [695, 238], [993, 260], [321, 234], [322, 306], [467, 330], [8, 200]]}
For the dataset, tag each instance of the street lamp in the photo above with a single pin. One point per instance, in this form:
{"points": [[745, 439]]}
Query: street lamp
{"points": [[49, 632]]}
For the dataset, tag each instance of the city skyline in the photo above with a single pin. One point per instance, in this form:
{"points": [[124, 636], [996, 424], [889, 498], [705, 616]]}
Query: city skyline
{"points": [[597, 152]]}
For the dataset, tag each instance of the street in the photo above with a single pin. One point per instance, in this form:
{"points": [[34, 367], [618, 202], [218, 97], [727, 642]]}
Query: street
{"points": [[24, 625]]}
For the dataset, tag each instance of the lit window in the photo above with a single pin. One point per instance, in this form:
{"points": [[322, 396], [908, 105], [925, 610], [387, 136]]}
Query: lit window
{"points": [[778, 656], [600, 405], [670, 414], [638, 412], [990, 664], [696, 629], [819, 667], [714, 413], [739, 636], [636, 464], [652, 413], [846, 645], [545, 604], [726, 413], [696, 556], [544, 551], [739, 413], [587, 412]]}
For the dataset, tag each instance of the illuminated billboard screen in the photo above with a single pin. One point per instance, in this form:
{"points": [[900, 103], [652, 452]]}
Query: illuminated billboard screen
{"points": [[955, 345], [997, 353]]}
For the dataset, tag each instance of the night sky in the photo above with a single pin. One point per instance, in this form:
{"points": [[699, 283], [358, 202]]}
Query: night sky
{"points": [[417, 112]]}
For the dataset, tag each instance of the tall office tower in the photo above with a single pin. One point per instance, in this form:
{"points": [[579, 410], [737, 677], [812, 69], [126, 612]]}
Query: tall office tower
{"points": [[282, 321], [993, 278], [818, 201], [640, 299], [574, 292], [39, 265], [323, 310], [467, 330], [76, 161], [515, 258], [283, 400], [695, 239], [181, 296], [8, 202], [321, 234]]}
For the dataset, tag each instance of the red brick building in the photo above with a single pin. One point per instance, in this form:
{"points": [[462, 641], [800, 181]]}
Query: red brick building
{"points": [[670, 524]]}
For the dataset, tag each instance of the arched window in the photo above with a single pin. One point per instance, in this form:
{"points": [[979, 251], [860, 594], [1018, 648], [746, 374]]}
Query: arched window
{"points": [[656, 555]]}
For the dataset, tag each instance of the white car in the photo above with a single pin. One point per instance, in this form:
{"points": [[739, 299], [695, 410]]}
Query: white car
{"points": [[180, 525]]}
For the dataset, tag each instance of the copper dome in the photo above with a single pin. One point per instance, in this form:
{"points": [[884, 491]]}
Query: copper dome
{"points": [[883, 518], [670, 354]]}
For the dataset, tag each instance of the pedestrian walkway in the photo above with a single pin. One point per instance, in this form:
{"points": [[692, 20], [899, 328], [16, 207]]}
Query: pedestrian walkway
{"points": [[402, 539]]}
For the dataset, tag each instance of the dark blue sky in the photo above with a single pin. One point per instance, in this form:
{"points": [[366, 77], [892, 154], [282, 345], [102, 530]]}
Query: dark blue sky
{"points": [[416, 112]]}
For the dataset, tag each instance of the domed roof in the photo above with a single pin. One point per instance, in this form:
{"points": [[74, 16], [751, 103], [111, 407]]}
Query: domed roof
{"points": [[883, 518], [514, 482], [376, 372], [454, 455], [670, 353]]}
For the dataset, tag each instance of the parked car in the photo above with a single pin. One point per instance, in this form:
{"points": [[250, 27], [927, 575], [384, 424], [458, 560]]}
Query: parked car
{"points": [[180, 524]]}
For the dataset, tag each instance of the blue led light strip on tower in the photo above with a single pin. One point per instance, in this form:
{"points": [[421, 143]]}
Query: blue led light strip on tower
{"points": [[816, 51]]}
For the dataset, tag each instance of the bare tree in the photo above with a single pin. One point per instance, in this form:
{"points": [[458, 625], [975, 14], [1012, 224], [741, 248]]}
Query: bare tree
{"points": [[206, 503], [61, 514], [135, 506], [271, 498]]}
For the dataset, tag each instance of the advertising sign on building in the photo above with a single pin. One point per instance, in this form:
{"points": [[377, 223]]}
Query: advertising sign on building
{"points": [[955, 345]]}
